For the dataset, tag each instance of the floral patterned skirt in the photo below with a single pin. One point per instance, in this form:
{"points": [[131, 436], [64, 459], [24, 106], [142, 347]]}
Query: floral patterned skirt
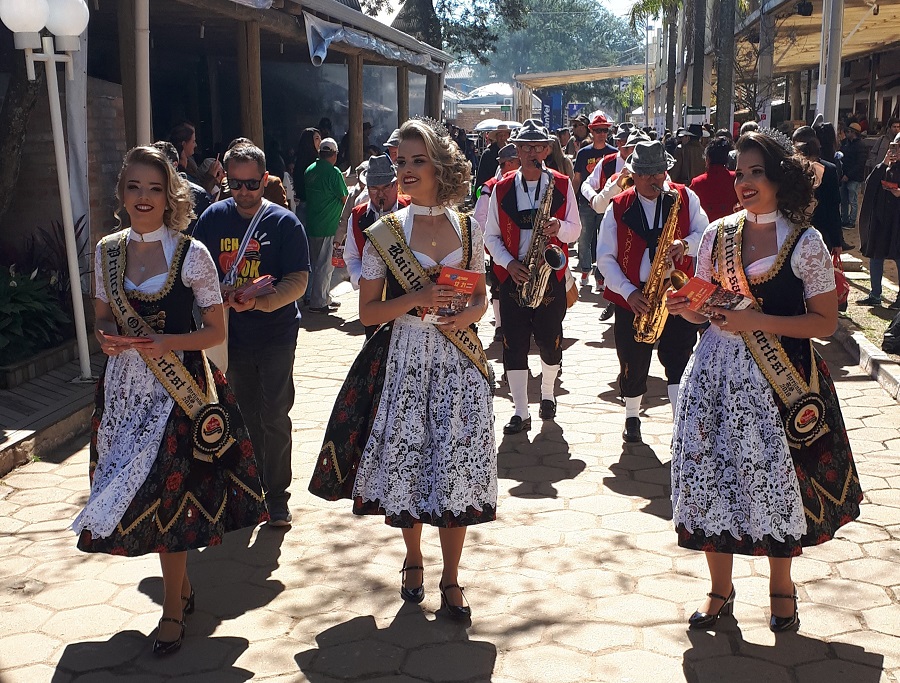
{"points": [[411, 435], [737, 487], [184, 503]]}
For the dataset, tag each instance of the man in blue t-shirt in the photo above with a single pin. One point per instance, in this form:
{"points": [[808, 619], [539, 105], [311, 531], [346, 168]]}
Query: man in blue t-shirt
{"points": [[587, 158], [262, 332]]}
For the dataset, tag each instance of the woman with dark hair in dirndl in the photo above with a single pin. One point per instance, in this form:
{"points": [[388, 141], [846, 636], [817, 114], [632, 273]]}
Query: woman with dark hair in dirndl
{"points": [[761, 463]]}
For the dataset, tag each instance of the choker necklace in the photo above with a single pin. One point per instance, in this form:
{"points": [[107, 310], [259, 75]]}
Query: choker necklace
{"points": [[763, 217], [418, 210]]}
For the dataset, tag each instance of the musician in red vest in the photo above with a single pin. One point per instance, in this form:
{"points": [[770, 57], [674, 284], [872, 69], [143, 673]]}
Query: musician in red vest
{"points": [[629, 234], [381, 182], [507, 236]]}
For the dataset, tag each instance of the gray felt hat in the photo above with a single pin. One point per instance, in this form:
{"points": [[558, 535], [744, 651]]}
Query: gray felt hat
{"points": [[381, 171], [532, 131], [649, 158], [507, 152], [394, 140], [635, 137]]}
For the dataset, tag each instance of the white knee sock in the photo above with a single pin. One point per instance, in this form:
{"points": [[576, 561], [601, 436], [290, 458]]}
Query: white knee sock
{"points": [[633, 406], [673, 396], [548, 380], [518, 388], [496, 305]]}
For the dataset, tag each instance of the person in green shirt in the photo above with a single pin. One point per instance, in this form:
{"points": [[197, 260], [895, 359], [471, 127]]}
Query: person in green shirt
{"points": [[326, 193]]}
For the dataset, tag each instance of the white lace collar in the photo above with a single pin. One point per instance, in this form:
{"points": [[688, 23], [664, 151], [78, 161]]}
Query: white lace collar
{"points": [[158, 235]]}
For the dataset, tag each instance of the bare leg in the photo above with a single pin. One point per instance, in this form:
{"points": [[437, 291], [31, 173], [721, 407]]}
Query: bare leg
{"points": [[452, 541], [720, 565], [413, 540], [780, 582], [174, 571]]}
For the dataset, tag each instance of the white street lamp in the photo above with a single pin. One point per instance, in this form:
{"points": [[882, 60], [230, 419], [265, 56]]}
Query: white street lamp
{"points": [[67, 19]]}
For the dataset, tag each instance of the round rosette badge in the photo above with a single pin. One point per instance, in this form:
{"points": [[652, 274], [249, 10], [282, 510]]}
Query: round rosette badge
{"points": [[805, 418], [211, 429]]}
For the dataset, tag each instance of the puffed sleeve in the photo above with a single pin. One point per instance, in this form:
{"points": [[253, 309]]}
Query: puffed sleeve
{"points": [[811, 262], [373, 267], [99, 274], [200, 274], [705, 265]]}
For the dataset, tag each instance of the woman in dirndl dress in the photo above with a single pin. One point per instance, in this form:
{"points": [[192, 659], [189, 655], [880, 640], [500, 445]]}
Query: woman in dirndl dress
{"points": [[149, 493], [742, 480], [412, 433]]}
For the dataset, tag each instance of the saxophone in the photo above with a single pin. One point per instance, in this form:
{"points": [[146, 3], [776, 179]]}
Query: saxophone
{"points": [[649, 327], [542, 257]]}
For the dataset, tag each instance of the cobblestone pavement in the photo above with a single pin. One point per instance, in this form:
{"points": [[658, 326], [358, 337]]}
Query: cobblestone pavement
{"points": [[579, 580]]}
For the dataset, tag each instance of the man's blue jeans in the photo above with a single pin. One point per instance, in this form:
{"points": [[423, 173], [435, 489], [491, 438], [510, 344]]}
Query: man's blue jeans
{"points": [[587, 241], [876, 272], [849, 202]]}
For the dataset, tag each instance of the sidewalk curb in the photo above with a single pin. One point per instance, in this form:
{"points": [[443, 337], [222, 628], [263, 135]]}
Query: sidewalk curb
{"points": [[48, 439], [879, 365]]}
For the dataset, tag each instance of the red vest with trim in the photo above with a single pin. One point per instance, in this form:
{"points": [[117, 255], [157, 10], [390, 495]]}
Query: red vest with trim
{"points": [[505, 191], [632, 246], [360, 219], [607, 169]]}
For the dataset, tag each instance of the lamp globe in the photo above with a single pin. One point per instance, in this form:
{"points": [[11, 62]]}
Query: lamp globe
{"points": [[68, 20]]}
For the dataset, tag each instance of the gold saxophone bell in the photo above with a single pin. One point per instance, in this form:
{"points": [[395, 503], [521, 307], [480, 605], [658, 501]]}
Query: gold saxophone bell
{"points": [[625, 181], [555, 257], [679, 279]]}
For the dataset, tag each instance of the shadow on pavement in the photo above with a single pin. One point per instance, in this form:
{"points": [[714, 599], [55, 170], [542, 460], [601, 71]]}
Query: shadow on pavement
{"points": [[537, 463], [221, 578], [724, 655], [412, 647], [640, 473]]}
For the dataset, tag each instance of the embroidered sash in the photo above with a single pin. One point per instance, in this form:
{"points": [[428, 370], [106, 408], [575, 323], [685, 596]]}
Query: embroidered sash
{"points": [[387, 237], [210, 432], [805, 417]]}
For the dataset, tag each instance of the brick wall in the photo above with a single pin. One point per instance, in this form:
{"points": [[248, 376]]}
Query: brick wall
{"points": [[36, 201]]}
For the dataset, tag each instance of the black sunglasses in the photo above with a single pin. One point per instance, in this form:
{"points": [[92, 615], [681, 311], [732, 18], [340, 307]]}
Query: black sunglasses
{"points": [[252, 185]]}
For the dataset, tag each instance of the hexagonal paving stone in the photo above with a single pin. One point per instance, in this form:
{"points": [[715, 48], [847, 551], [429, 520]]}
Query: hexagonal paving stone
{"points": [[884, 619], [594, 636], [636, 610], [870, 570], [358, 659], [548, 664], [76, 594], [22, 649], [736, 669], [458, 661], [847, 594], [82, 623]]}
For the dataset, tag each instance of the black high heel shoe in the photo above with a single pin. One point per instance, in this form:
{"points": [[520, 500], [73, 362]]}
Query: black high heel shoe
{"points": [[413, 595], [455, 612], [162, 648], [189, 602], [783, 624], [702, 620]]}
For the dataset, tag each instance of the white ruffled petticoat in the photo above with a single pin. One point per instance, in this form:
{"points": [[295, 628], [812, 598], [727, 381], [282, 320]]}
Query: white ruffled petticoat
{"points": [[432, 447], [731, 466]]}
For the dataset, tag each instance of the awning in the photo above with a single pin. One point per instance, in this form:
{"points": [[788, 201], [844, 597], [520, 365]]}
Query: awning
{"points": [[551, 78]]}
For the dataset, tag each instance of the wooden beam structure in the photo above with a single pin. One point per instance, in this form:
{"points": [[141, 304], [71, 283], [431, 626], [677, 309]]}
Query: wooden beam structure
{"points": [[250, 80], [279, 23], [125, 18], [434, 95], [355, 122], [402, 95]]}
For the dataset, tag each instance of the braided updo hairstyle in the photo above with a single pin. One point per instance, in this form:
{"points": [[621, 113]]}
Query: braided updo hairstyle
{"points": [[792, 174], [452, 169]]}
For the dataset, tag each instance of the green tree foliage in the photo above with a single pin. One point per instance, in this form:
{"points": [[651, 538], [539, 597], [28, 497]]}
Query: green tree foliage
{"points": [[467, 28], [566, 34]]}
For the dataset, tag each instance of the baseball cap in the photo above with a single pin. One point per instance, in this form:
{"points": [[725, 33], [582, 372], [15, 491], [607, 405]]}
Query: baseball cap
{"points": [[328, 144]]}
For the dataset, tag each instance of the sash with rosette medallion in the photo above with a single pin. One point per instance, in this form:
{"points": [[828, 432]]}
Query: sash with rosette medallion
{"points": [[211, 426], [804, 420]]}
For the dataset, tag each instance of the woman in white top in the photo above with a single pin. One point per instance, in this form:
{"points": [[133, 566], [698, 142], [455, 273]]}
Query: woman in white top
{"points": [[427, 452], [150, 493]]}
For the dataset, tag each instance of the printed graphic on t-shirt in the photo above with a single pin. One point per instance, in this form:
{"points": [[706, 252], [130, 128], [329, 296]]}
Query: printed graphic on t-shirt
{"points": [[248, 269]]}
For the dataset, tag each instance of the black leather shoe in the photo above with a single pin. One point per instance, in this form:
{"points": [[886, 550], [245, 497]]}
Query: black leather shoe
{"points": [[702, 620], [413, 595], [455, 611], [167, 647], [608, 312], [632, 433], [498, 334], [548, 409], [783, 624], [334, 305], [516, 424]]}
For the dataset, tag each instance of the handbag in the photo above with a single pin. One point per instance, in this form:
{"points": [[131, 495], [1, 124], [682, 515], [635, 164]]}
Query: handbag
{"points": [[840, 280]]}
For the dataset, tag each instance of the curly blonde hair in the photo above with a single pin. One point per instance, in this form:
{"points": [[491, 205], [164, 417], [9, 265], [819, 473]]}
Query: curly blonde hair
{"points": [[452, 170], [179, 204]]}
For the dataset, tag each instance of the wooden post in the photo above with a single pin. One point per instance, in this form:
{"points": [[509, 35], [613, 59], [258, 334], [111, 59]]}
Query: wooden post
{"points": [[402, 95], [870, 114], [355, 124], [212, 71], [434, 95], [250, 81], [796, 96], [125, 17]]}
